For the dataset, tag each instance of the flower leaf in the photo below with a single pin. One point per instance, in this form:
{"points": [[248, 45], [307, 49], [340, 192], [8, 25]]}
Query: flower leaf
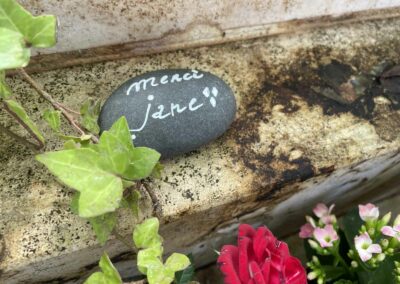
{"points": [[146, 234], [103, 226], [109, 275], [13, 53], [53, 118], [37, 31], [19, 111], [100, 191]]}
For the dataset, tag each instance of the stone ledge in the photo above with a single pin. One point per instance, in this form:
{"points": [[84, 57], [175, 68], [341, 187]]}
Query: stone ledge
{"points": [[286, 150]]}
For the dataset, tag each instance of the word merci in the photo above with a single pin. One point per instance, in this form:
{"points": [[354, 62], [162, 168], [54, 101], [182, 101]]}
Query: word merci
{"points": [[153, 82], [174, 109]]}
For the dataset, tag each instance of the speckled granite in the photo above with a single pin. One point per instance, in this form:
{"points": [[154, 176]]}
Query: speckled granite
{"points": [[283, 144]]}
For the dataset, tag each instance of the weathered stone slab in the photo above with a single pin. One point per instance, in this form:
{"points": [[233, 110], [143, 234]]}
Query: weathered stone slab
{"points": [[289, 147]]}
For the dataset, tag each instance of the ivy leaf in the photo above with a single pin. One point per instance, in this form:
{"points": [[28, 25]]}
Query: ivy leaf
{"points": [[132, 202], [53, 118], [90, 111], [150, 259], [186, 275], [146, 234], [157, 171], [177, 262], [100, 191], [70, 145], [142, 162], [103, 226], [19, 111], [109, 275], [115, 154], [37, 31], [160, 275], [120, 129], [5, 91], [13, 53]]}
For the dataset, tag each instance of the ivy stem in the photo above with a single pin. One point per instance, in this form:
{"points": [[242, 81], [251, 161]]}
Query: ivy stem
{"points": [[64, 110], [123, 240], [19, 138], [23, 124]]}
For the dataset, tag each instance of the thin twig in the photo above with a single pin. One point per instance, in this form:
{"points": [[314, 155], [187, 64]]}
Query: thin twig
{"points": [[153, 197], [19, 138], [54, 103], [24, 125]]}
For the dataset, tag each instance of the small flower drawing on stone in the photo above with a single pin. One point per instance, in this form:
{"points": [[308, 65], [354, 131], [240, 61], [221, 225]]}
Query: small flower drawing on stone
{"points": [[214, 93]]}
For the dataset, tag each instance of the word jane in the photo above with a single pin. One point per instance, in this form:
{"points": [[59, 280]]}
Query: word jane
{"points": [[175, 109]]}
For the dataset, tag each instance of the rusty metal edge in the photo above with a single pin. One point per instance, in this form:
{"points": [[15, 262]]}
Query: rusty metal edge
{"points": [[167, 43]]}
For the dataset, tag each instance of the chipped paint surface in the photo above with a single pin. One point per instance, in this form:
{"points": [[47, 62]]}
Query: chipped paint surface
{"points": [[284, 144]]}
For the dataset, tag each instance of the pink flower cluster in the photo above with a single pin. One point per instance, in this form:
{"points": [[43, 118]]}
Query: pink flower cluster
{"points": [[323, 230]]}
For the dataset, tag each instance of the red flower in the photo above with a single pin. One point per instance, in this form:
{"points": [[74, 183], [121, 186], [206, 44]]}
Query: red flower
{"points": [[259, 258]]}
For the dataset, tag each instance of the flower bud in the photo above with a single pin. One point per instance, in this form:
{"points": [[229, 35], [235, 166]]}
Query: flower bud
{"points": [[312, 275], [390, 250], [351, 253], [397, 221], [320, 280], [371, 231], [314, 244], [386, 219], [384, 243], [354, 264], [381, 257], [311, 221], [315, 260]]}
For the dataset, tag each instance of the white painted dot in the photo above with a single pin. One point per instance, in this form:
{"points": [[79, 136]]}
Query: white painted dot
{"points": [[150, 97], [133, 136]]}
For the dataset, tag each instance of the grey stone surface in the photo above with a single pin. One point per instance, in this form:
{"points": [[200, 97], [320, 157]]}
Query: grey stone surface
{"points": [[173, 111]]}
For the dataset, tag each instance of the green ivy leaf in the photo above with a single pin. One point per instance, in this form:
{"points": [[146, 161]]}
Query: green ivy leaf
{"points": [[103, 226], [146, 234], [186, 275], [90, 111], [53, 118], [109, 275], [132, 202], [120, 129], [157, 171], [38, 31], [115, 154], [13, 53], [142, 162], [100, 191], [19, 111], [150, 259], [177, 262], [5, 91], [160, 275]]}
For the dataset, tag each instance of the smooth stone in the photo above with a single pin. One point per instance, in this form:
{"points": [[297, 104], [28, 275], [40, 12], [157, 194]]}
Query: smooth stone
{"points": [[173, 111]]}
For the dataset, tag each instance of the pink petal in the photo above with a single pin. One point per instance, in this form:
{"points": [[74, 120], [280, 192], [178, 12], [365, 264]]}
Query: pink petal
{"points": [[227, 261], [397, 228], [368, 212], [331, 208], [320, 210], [255, 273], [364, 255], [306, 231], [362, 239], [388, 231], [374, 248], [244, 244]]}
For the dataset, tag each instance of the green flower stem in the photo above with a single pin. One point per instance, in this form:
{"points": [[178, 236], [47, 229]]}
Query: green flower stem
{"points": [[339, 258]]}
